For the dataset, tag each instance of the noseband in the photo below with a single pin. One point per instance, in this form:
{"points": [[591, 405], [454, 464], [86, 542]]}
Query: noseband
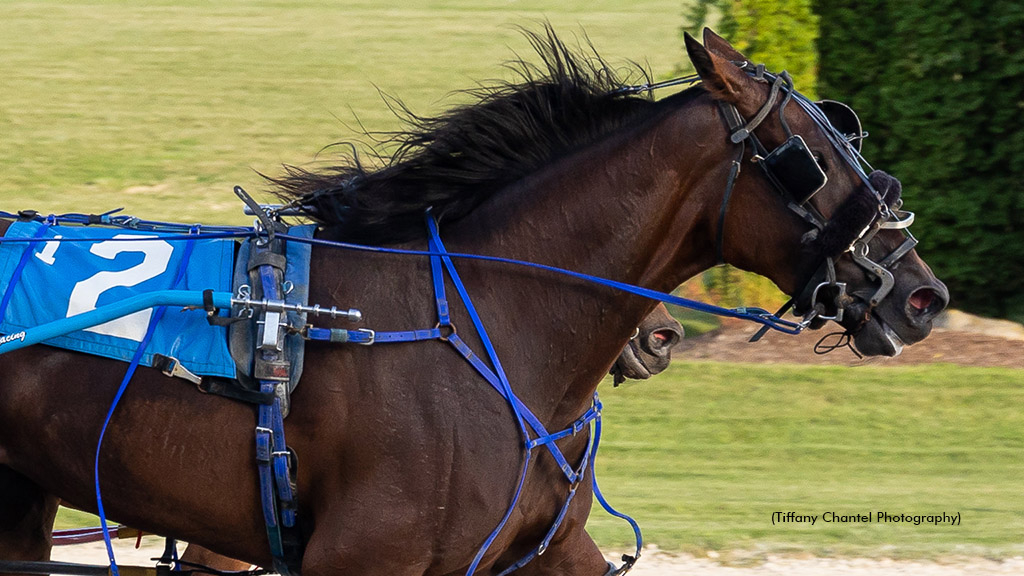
{"points": [[796, 175]]}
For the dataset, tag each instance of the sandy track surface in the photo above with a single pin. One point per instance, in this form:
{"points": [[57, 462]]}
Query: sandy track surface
{"points": [[657, 563], [729, 344]]}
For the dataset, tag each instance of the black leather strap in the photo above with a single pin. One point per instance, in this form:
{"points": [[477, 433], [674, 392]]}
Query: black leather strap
{"points": [[233, 390]]}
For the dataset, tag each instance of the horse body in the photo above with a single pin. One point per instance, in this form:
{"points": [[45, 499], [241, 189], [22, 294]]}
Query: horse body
{"points": [[407, 458]]}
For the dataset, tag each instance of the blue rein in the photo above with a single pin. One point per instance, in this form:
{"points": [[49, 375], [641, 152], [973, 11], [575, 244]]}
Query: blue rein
{"points": [[759, 315]]}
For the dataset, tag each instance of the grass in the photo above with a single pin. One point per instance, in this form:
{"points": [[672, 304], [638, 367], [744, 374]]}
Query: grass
{"points": [[162, 106], [703, 454]]}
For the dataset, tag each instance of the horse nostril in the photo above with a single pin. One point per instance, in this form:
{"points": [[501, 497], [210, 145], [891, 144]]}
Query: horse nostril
{"points": [[664, 339], [925, 302]]}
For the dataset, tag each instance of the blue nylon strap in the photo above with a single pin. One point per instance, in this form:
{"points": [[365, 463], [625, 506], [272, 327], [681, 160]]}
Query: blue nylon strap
{"points": [[546, 541], [499, 381], [497, 377], [580, 472], [575, 428], [158, 314], [282, 473], [752, 314], [264, 448], [595, 444], [407, 336], [272, 463], [339, 335], [110, 218], [27, 253], [758, 315], [437, 246]]}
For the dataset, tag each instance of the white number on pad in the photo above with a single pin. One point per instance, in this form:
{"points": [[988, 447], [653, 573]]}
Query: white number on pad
{"points": [[157, 254]]}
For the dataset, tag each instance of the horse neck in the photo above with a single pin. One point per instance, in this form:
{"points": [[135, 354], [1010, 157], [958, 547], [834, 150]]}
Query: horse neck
{"points": [[624, 209]]}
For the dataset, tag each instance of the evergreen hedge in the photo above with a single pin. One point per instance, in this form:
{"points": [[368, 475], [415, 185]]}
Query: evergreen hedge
{"points": [[940, 86]]}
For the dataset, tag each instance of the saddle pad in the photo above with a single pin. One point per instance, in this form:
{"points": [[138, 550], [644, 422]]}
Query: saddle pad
{"points": [[62, 279]]}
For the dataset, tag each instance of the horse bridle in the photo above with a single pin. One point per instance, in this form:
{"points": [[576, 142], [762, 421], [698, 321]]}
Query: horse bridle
{"points": [[796, 175]]}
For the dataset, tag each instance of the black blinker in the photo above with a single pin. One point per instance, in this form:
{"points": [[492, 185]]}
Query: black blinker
{"points": [[844, 120], [793, 168]]}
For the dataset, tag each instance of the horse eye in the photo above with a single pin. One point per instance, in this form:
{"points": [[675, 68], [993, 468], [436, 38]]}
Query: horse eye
{"points": [[820, 160]]}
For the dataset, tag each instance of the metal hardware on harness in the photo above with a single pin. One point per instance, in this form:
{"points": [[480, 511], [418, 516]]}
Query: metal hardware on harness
{"points": [[885, 277], [264, 222], [280, 306], [174, 369], [270, 331], [273, 210], [795, 152], [817, 309]]}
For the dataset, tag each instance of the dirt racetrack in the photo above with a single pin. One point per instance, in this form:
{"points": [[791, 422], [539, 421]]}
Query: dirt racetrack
{"points": [[657, 563], [729, 344]]}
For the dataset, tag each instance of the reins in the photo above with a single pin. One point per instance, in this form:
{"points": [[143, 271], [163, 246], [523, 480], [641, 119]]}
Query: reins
{"points": [[752, 314]]}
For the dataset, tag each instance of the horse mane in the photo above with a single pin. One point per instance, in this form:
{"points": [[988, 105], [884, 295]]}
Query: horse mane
{"points": [[455, 161]]}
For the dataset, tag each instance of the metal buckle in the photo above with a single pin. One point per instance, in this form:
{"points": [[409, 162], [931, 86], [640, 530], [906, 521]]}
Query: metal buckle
{"points": [[370, 339], [178, 371]]}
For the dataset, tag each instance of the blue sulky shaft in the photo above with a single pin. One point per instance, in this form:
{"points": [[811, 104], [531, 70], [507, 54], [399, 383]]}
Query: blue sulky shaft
{"points": [[109, 312]]}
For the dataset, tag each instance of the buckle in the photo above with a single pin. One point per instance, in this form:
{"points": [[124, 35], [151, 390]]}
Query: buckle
{"points": [[174, 369], [371, 336]]}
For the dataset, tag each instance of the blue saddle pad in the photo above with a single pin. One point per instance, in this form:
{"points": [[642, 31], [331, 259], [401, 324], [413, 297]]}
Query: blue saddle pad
{"points": [[62, 279]]}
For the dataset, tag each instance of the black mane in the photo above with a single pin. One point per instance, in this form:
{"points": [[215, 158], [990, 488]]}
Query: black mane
{"points": [[455, 161]]}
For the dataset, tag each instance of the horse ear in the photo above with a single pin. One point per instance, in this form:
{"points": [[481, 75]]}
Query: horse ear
{"points": [[721, 78], [721, 46]]}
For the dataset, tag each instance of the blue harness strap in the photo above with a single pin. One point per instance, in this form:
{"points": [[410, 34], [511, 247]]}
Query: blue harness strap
{"points": [[29, 250], [158, 313], [273, 457], [493, 374], [499, 381]]}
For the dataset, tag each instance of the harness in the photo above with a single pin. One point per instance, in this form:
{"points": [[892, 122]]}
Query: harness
{"points": [[791, 168], [533, 433]]}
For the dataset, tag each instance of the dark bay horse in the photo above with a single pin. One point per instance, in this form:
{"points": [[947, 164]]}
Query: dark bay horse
{"points": [[407, 459]]}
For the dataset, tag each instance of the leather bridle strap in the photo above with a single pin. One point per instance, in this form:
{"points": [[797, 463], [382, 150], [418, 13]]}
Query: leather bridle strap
{"points": [[739, 133], [734, 171]]}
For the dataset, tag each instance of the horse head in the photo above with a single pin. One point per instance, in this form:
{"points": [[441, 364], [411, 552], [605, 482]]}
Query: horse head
{"points": [[807, 214]]}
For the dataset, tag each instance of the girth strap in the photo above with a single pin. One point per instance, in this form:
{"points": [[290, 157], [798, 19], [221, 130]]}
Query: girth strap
{"points": [[274, 460]]}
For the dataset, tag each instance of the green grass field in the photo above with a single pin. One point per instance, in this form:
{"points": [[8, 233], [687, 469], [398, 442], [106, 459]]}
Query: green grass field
{"points": [[162, 106], [704, 453]]}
